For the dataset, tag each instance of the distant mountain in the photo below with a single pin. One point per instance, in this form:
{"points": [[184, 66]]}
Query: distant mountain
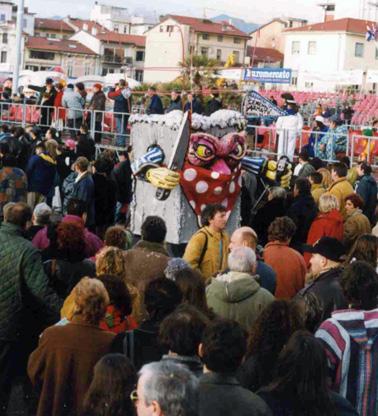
{"points": [[239, 23]]}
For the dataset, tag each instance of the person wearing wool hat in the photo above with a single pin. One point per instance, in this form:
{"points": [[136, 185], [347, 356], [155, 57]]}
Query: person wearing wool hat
{"points": [[326, 267], [97, 106]]}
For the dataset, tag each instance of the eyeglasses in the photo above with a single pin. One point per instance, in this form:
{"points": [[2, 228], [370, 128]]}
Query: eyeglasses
{"points": [[134, 396]]}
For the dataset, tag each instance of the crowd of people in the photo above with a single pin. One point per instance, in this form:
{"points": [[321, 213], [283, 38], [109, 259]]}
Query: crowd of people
{"points": [[276, 318]]}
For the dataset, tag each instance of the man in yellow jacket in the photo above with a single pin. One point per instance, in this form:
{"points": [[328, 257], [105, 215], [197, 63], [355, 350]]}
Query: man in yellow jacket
{"points": [[340, 187], [208, 248]]}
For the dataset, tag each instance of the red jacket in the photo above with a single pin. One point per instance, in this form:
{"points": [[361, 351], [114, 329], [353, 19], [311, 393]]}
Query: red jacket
{"points": [[289, 266], [330, 224]]}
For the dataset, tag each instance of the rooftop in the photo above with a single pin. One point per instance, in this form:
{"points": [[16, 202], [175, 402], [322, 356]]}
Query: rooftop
{"points": [[208, 26], [114, 37], [52, 24], [265, 54], [57, 45], [349, 25], [87, 25]]}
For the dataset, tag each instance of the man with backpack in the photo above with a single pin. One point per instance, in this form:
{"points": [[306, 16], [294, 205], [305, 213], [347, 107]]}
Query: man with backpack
{"points": [[207, 249]]}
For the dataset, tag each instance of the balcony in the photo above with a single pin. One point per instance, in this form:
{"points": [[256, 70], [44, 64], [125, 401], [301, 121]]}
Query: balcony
{"points": [[113, 59]]}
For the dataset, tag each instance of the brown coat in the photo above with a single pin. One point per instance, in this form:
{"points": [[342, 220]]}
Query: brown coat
{"points": [[144, 263], [356, 224], [61, 368], [289, 266]]}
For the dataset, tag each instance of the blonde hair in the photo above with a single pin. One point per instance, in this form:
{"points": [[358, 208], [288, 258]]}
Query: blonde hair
{"points": [[326, 175], [111, 260], [91, 300], [52, 148], [328, 202]]}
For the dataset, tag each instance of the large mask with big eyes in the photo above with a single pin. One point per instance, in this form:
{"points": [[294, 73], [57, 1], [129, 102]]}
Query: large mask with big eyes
{"points": [[211, 152]]}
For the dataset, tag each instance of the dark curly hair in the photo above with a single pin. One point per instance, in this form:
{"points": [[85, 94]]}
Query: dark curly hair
{"points": [[356, 200], [281, 229], [154, 229], [269, 333], [70, 241], [223, 346], [359, 282], [181, 331]]}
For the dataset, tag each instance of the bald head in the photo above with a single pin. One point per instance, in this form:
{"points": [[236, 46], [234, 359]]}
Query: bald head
{"points": [[243, 237]]}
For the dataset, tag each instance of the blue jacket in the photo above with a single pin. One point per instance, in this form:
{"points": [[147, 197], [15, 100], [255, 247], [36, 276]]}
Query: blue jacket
{"points": [[367, 189], [122, 100], [41, 170], [267, 276], [197, 106], [85, 191], [156, 106]]}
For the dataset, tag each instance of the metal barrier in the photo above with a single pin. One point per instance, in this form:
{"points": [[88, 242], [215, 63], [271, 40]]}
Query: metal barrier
{"points": [[265, 139], [107, 128], [111, 131]]}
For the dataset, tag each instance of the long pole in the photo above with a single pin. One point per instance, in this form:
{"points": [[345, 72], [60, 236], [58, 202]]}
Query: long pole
{"points": [[16, 71]]}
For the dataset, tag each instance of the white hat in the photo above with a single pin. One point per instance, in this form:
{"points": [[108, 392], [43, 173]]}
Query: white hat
{"points": [[320, 118]]}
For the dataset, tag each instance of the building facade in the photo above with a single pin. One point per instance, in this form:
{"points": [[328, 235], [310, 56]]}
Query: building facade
{"points": [[117, 52], [43, 53], [271, 34], [330, 56], [176, 38]]}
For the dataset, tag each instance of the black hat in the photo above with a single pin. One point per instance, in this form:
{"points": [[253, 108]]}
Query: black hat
{"points": [[328, 247], [49, 80]]}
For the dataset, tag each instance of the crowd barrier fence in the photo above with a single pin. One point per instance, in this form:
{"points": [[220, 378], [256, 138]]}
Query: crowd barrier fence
{"points": [[110, 130]]}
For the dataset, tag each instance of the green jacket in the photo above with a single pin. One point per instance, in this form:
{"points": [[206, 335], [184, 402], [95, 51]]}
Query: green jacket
{"points": [[24, 292], [237, 296]]}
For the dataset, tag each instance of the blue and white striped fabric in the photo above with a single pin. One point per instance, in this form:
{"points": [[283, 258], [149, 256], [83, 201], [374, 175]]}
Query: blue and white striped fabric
{"points": [[154, 156], [253, 164]]}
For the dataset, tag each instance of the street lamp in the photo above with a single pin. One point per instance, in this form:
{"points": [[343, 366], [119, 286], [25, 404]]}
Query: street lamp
{"points": [[19, 28]]}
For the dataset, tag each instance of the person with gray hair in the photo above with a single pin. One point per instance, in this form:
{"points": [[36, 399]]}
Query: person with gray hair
{"points": [[237, 294], [166, 389], [40, 219]]}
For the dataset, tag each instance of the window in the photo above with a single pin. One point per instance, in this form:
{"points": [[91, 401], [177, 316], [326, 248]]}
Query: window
{"points": [[295, 47], [2, 17], [161, 28], [116, 28], [220, 38], [294, 81], [53, 36], [125, 29], [69, 69], [237, 40], [311, 48], [48, 56], [139, 57], [309, 84], [204, 51], [128, 60], [3, 57], [87, 68], [205, 36], [359, 50], [139, 75], [170, 28], [4, 38], [236, 56], [219, 54]]}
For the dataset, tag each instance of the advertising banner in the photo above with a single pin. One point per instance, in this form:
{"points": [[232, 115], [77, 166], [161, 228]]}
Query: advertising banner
{"points": [[268, 75]]}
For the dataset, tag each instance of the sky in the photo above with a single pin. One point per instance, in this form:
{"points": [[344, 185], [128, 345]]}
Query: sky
{"points": [[250, 10]]}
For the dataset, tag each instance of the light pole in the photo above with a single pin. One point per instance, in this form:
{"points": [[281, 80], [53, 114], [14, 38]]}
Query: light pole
{"points": [[19, 27]]}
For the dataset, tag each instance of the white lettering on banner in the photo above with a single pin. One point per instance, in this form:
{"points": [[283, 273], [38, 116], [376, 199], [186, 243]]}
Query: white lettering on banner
{"points": [[280, 75]]}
